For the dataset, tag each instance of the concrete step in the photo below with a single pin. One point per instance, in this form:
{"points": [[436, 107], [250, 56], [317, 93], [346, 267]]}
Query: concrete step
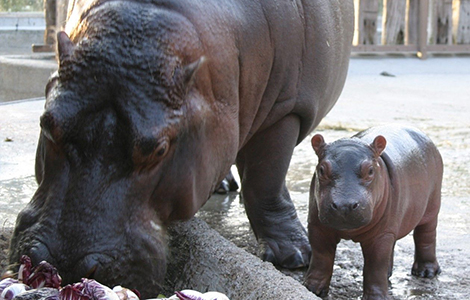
{"points": [[25, 76]]}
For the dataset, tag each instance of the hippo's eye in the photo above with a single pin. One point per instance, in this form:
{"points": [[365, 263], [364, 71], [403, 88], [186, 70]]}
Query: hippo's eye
{"points": [[321, 171], [162, 148], [367, 171], [150, 153]]}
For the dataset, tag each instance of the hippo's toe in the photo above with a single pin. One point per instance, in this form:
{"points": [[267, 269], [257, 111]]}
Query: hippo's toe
{"points": [[426, 269], [286, 255]]}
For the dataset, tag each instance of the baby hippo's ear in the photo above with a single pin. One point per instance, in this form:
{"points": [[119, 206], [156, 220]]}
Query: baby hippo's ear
{"points": [[318, 144], [378, 145]]}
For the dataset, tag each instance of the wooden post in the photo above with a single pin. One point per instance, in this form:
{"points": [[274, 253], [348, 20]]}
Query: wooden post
{"points": [[423, 29], [462, 21], [394, 22], [441, 22], [412, 24], [50, 18], [366, 26], [62, 6]]}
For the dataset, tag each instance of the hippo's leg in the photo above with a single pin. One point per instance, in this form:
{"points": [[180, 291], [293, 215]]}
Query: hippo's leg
{"points": [[390, 267], [262, 164], [377, 253], [229, 184], [320, 270], [425, 264]]}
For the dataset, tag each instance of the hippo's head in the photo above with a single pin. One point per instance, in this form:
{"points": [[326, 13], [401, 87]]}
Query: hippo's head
{"points": [[127, 144], [347, 180]]}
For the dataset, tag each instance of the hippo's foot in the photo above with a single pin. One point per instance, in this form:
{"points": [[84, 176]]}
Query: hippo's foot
{"points": [[318, 287], [425, 269], [229, 184], [284, 245], [376, 296]]}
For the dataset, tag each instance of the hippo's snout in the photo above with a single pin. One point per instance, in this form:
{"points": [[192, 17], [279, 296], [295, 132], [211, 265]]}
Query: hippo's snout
{"points": [[345, 215], [345, 208]]}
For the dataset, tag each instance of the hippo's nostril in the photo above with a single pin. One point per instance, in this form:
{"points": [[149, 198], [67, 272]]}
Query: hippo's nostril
{"points": [[334, 206]]}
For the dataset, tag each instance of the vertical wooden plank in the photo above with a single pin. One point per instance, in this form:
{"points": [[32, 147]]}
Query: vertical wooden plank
{"points": [[394, 22], [367, 14], [61, 13], [423, 28], [412, 24], [441, 22], [50, 18], [462, 21]]}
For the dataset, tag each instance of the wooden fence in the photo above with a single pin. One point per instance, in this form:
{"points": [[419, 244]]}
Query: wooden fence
{"points": [[387, 26], [413, 26]]}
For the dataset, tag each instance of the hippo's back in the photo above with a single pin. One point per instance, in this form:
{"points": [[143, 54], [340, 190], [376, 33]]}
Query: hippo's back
{"points": [[414, 163]]}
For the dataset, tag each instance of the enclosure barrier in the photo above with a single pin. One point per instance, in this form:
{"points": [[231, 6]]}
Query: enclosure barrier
{"points": [[381, 26], [413, 26]]}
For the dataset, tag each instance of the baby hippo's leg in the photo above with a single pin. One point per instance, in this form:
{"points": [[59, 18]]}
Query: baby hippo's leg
{"points": [[377, 260], [425, 264]]}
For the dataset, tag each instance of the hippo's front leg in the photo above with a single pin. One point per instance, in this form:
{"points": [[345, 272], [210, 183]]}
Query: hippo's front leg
{"points": [[263, 164], [320, 270], [377, 261]]}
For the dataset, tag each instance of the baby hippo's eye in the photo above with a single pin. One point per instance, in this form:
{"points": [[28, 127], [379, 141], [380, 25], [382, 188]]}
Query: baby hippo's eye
{"points": [[367, 171], [323, 171]]}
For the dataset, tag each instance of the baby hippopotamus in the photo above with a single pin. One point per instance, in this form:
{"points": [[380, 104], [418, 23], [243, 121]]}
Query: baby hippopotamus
{"points": [[374, 188]]}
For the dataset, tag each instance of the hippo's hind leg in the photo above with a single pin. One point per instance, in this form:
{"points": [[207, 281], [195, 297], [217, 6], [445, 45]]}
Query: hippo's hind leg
{"points": [[263, 164], [425, 264]]}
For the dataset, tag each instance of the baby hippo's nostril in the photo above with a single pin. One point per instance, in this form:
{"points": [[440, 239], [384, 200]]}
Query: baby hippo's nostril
{"points": [[355, 206], [334, 206]]}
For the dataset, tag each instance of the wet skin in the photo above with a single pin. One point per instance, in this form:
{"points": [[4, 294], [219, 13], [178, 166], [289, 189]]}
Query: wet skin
{"points": [[152, 103], [374, 188]]}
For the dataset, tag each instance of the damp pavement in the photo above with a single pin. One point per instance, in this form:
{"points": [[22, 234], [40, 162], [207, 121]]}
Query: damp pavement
{"points": [[432, 94]]}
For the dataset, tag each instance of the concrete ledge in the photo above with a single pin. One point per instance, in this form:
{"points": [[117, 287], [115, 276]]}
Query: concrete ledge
{"points": [[201, 259], [25, 76]]}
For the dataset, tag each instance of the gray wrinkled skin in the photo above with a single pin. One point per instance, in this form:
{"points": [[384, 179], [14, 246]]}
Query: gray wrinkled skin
{"points": [[152, 103]]}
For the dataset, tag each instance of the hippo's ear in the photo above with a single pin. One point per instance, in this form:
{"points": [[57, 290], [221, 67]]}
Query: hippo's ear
{"points": [[191, 69], [318, 144], [64, 46], [378, 145]]}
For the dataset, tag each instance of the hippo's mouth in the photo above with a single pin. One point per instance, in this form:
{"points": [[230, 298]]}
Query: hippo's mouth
{"points": [[342, 223]]}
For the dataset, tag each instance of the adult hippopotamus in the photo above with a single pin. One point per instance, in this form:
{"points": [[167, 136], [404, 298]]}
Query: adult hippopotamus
{"points": [[153, 101], [374, 188]]}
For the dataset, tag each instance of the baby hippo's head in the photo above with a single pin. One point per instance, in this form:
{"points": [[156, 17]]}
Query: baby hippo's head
{"points": [[347, 180]]}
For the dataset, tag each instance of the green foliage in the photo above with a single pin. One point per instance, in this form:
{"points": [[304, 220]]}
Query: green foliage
{"points": [[21, 5]]}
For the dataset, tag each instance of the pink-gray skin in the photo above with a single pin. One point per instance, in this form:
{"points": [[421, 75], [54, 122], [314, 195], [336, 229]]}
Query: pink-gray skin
{"points": [[152, 104], [374, 189]]}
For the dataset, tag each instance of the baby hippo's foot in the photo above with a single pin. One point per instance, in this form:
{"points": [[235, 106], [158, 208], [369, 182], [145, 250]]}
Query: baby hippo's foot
{"points": [[319, 288], [425, 269], [376, 297]]}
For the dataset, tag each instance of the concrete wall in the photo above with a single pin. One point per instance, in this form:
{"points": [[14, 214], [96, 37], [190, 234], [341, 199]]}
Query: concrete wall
{"points": [[23, 77], [23, 74], [18, 31]]}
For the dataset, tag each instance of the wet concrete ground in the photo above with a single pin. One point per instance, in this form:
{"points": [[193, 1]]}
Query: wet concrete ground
{"points": [[433, 95]]}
